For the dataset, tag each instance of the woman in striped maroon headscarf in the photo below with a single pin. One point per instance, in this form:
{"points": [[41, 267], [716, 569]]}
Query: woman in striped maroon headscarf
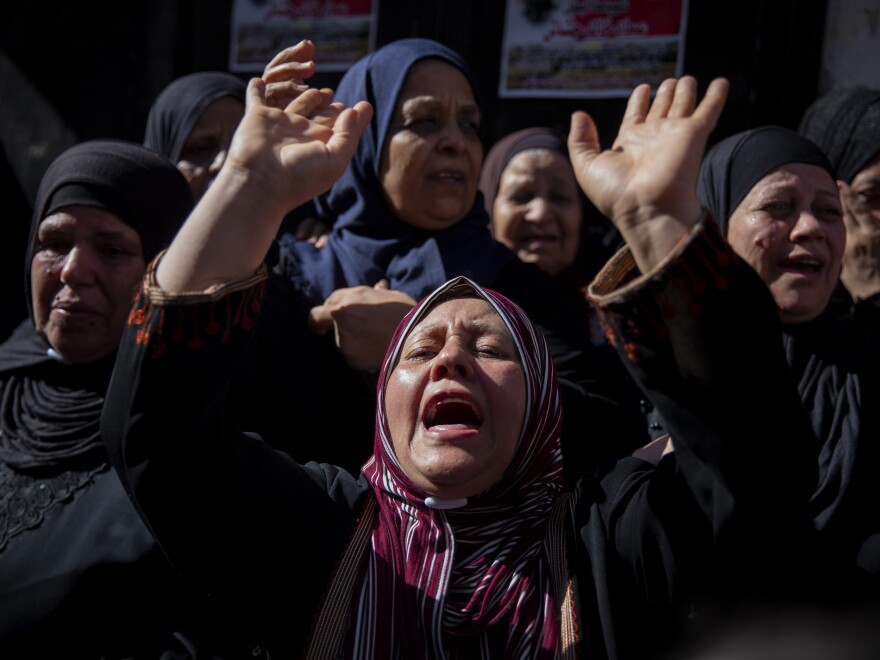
{"points": [[455, 540]]}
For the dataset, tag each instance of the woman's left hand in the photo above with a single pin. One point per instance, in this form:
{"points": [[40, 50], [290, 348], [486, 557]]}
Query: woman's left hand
{"points": [[646, 183], [364, 320]]}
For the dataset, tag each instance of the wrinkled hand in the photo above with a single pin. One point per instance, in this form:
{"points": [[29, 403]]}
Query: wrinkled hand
{"points": [[646, 183], [285, 78], [293, 153], [286, 74], [364, 320], [313, 231], [861, 256]]}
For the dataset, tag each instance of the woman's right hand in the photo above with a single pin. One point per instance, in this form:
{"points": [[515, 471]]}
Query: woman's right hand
{"points": [[278, 160], [646, 183]]}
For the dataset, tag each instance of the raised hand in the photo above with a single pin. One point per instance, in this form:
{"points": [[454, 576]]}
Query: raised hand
{"points": [[286, 74], [278, 159], [646, 182]]}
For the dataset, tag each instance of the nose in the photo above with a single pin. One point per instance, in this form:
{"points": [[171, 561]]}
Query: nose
{"points": [[453, 361], [452, 137], [807, 226], [538, 210], [78, 269]]}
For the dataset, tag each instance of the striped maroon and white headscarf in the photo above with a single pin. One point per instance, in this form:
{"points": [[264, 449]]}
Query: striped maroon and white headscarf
{"points": [[472, 580]]}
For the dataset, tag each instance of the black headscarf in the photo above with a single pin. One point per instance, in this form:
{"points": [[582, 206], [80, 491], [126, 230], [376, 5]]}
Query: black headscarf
{"points": [[734, 165], [49, 410], [845, 123], [177, 109], [835, 363]]}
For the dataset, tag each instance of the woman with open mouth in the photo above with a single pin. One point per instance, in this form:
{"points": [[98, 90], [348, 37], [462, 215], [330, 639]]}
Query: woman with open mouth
{"points": [[456, 540], [774, 194], [406, 217]]}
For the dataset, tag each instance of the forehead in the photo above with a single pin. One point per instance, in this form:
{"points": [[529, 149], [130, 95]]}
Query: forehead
{"points": [[87, 220], [225, 111], [537, 161], [800, 175], [434, 79], [470, 314]]}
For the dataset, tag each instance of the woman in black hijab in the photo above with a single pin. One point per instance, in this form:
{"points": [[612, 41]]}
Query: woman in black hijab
{"points": [[192, 121], [80, 575], [773, 193]]}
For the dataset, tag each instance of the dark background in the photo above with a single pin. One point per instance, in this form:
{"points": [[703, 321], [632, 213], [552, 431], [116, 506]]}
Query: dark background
{"points": [[71, 71], [100, 63]]}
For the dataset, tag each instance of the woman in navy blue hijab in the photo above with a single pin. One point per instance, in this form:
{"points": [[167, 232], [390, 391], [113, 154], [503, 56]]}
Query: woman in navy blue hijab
{"points": [[369, 241], [407, 217]]}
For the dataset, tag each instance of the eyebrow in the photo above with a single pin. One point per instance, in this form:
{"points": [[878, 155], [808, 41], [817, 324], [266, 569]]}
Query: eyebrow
{"points": [[417, 102]]}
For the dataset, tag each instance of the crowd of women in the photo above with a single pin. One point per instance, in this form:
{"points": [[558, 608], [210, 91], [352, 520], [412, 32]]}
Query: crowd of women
{"points": [[305, 375]]}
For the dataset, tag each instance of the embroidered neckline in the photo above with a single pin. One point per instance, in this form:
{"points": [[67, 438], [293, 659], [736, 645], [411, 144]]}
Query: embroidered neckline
{"points": [[25, 498]]}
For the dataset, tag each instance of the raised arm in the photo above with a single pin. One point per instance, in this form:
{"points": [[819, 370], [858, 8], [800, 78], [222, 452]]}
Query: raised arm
{"points": [[279, 158], [646, 183]]}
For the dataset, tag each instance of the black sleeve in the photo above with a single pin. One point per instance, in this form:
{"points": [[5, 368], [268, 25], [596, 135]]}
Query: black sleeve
{"points": [[717, 522], [290, 385], [245, 520], [597, 396]]}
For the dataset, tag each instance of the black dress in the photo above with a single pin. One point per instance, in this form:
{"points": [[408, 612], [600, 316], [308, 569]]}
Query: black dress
{"points": [[80, 573], [649, 544]]}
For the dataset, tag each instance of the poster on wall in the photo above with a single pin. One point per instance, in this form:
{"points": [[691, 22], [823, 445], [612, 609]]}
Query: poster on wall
{"points": [[590, 48], [343, 31]]}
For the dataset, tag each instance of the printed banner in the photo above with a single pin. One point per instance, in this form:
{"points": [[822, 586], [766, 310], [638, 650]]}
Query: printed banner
{"points": [[343, 30], [590, 48]]}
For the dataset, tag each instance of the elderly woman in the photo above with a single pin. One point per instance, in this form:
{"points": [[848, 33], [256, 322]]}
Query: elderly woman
{"points": [[80, 574], [455, 540], [192, 121], [538, 210], [773, 193]]}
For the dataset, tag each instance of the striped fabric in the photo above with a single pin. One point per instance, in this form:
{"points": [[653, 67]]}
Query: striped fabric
{"points": [[472, 581]]}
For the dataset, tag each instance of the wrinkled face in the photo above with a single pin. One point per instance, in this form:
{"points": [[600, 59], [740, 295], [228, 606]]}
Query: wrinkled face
{"points": [[790, 229], [537, 212], [204, 151], [861, 198], [431, 158], [85, 269], [456, 399]]}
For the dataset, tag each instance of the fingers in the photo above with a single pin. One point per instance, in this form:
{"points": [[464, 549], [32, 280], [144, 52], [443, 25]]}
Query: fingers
{"points": [[583, 138], [299, 57], [663, 99], [255, 96], [685, 98], [637, 106], [709, 109], [320, 319], [307, 103], [348, 129]]}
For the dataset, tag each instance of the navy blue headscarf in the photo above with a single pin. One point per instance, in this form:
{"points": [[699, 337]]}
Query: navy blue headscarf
{"points": [[368, 242], [734, 165]]}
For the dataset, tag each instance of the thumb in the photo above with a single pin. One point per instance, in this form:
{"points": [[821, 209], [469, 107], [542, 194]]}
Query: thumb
{"points": [[382, 284], [320, 320]]}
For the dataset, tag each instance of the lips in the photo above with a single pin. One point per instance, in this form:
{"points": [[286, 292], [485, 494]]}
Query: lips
{"points": [[452, 411], [73, 309], [448, 176], [802, 263]]}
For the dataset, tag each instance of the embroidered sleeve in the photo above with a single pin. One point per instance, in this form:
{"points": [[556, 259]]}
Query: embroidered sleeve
{"points": [[633, 307], [187, 321]]}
